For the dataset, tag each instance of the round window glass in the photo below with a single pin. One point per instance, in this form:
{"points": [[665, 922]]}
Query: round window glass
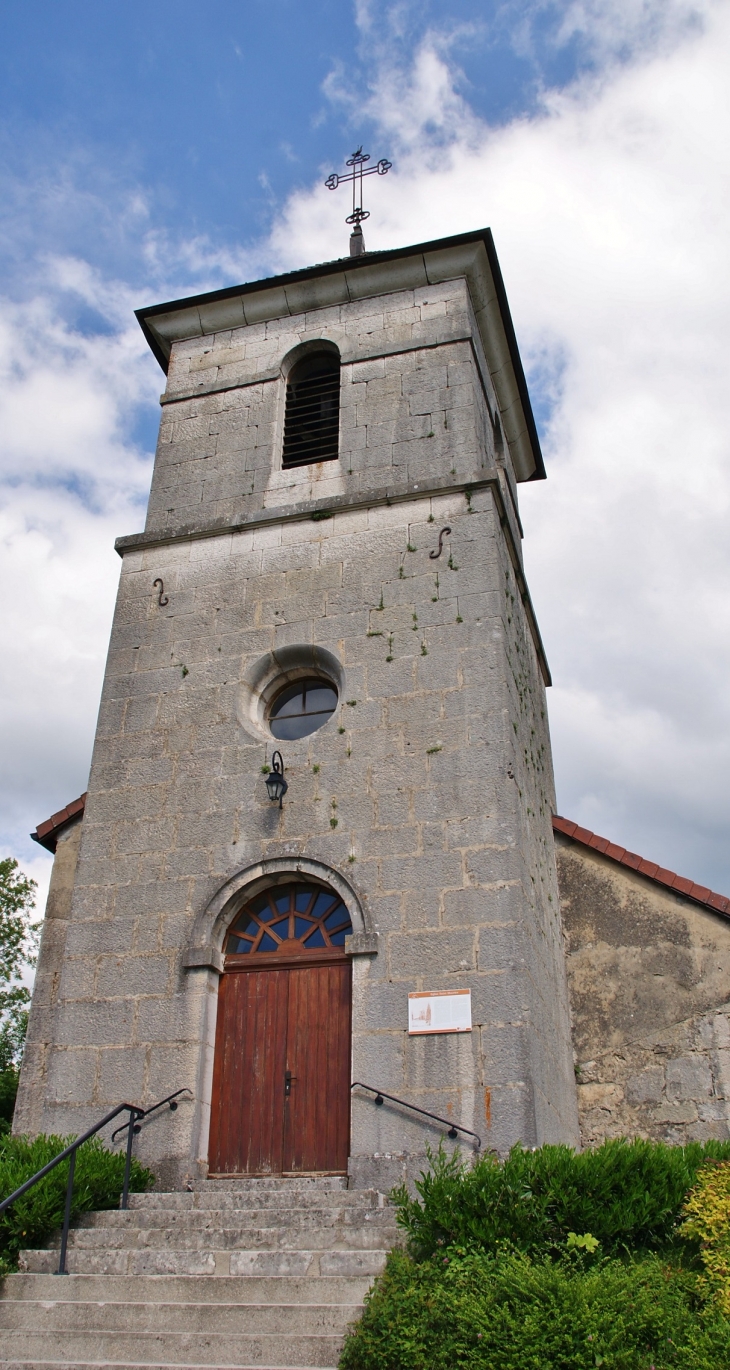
{"points": [[301, 709]]}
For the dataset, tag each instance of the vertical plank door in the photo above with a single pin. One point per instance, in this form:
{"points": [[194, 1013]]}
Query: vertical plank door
{"points": [[247, 1108], [317, 1111]]}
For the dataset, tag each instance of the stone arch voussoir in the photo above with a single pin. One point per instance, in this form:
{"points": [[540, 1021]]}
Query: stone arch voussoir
{"points": [[204, 949]]}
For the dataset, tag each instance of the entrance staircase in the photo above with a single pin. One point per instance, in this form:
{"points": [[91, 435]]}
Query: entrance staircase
{"points": [[237, 1273]]}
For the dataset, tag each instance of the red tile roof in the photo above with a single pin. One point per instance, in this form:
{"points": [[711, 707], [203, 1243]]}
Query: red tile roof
{"points": [[48, 833], [699, 893]]}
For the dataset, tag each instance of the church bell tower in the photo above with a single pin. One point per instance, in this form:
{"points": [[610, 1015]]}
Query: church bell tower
{"points": [[327, 605]]}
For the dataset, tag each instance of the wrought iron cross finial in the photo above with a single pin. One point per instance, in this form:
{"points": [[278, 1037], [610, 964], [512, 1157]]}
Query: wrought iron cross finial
{"points": [[357, 162]]}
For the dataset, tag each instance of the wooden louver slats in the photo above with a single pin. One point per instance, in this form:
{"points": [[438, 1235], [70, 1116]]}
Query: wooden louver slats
{"points": [[312, 418]]}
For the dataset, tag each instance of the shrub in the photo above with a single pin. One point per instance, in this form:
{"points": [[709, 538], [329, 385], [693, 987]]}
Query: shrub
{"points": [[8, 1090], [707, 1220], [98, 1183], [626, 1194], [18, 942], [506, 1311]]}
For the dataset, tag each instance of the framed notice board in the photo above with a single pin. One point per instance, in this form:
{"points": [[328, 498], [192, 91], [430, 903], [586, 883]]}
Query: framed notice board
{"points": [[443, 1011]]}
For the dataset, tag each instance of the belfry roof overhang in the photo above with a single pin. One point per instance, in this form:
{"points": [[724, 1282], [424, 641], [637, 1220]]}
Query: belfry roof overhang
{"points": [[469, 255]]}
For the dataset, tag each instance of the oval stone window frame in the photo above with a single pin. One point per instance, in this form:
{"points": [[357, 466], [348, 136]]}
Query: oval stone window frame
{"points": [[267, 676]]}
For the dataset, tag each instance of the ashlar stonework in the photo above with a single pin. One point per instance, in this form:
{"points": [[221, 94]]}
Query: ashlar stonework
{"points": [[425, 801]]}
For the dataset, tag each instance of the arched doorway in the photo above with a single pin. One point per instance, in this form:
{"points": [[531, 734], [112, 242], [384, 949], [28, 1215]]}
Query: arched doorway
{"points": [[281, 1078]]}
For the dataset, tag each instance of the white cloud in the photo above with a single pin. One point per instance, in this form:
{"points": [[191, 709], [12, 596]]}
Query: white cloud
{"points": [[620, 28], [414, 102], [71, 479], [73, 476], [609, 208], [65, 396]]}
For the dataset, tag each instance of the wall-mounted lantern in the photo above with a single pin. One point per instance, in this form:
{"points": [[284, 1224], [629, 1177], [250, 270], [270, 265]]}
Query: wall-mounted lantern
{"points": [[275, 782]]}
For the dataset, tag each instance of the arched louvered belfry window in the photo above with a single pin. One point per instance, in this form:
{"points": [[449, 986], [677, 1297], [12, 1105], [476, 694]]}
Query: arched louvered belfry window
{"points": [[312, 418]]}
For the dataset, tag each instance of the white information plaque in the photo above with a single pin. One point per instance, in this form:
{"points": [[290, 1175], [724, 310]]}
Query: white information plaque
{"points": [[444, 1011]]}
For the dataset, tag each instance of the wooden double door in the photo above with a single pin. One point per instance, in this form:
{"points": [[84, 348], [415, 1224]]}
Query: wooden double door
{"points": [[281, 1082]]}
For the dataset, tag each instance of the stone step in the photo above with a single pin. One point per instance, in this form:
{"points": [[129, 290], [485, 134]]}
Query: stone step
{"points": [[200, 1219], [186, 1289], [63, 1315], [289, 1261], [279, 1349], [211, 1256], [218, 1200], [135, 1365], [284, 1237], [130, 1262], [287, 1184]]}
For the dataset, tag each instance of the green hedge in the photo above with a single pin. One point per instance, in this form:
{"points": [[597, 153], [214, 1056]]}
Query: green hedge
{"points": [[550, 1260], [98, 1182], [627, 1194], [8, 1091], [506, 1311]]}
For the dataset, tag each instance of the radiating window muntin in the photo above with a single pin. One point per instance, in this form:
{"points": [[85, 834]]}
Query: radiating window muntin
{"points": [[290, 920], [312, 416], [302, 708]]}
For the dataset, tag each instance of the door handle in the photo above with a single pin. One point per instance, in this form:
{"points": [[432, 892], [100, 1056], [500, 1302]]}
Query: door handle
{"points": [[288, 1077]]}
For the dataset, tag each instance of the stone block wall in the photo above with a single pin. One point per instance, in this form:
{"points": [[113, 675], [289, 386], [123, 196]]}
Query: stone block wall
{"points": [[416, 404], [421, 771], [429, 790], [649, 975], [530, 778], [29, 1106]]}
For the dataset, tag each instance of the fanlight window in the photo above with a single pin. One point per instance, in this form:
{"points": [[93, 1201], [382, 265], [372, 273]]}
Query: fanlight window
{"points": [[302, 708], [290, 920], [312, 417]]}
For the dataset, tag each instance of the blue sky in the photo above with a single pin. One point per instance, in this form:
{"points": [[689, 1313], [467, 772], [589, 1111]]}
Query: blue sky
{"points": [[191, 124], [147, 151], [215, 112]]}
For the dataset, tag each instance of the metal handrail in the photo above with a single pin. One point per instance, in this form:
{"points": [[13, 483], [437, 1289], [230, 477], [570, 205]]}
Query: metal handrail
{"points": [[132, 1127], [145, 1112], [453, 1128]]}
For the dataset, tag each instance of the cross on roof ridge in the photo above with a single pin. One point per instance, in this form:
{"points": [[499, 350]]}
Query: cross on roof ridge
{"points": [[359, 170]]}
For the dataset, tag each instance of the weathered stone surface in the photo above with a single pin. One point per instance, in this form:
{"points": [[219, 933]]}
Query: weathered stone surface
{"points": [[34, 1078], [648, 972]]}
